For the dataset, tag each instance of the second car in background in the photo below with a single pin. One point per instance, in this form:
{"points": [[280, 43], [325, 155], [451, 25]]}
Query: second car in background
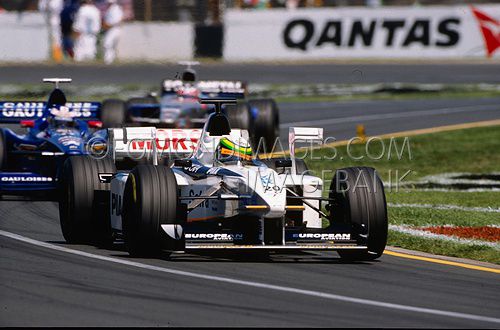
{"points": [[178, 106]]}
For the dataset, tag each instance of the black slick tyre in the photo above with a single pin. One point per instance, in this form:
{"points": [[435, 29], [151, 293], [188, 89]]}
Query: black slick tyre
{"points": [[266, 128], [239, 116], [150, 200], [84, 200], [359, 200]]}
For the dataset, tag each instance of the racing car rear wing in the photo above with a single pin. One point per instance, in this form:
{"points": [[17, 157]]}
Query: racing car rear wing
{"points": [[15, 111], [57, 81], [152, 143], [217, 88]]}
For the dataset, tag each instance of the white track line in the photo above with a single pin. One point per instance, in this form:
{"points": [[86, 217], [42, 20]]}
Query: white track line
{"points": [[310, 293], [446, 207], [399, 114]]}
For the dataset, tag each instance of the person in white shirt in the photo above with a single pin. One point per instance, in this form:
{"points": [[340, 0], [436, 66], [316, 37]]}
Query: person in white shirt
{"points": [[111, 24], [86, 27], [52, 10]]}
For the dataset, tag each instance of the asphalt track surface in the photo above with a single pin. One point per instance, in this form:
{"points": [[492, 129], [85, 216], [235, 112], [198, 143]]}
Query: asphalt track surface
{"points": [[46, 287], [339, 119], [354, 73]]}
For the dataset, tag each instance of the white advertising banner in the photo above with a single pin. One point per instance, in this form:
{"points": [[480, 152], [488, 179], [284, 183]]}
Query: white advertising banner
{"points": [[357, 32], [23, 37], [156, 41]]}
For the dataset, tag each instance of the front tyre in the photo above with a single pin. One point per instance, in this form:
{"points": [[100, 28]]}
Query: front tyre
{"points": [[84, 200], [359, 200], [150, 200]]}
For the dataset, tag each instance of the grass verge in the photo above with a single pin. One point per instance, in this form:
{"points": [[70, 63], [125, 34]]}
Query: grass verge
{"points": [[460, 198], [432, 217], [460, 94], [436, 246]]}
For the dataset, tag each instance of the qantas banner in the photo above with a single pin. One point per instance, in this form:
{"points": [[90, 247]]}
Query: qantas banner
{"points": [[356, 32]]}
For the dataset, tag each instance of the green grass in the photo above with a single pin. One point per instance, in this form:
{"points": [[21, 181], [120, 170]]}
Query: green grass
{"points": [[461, 198], [475, 150], [427, 217], [436, 246]]}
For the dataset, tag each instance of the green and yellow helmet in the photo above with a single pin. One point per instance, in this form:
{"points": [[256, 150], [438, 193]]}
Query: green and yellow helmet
{"points": [[228, 151]]}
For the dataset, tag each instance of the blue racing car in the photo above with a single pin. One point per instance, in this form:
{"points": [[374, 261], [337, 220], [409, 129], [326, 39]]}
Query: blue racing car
{"points": [[56, 129]]}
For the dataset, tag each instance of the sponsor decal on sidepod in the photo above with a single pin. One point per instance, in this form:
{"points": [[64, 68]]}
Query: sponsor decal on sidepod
{"points": [[26, 179], [216, 237], [324, 237]]}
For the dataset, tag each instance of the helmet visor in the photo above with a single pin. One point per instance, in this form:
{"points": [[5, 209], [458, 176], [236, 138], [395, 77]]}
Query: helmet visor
{"points": [[228, 151]]}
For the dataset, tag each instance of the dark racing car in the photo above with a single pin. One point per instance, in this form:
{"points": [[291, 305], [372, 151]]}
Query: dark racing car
{"points": [[178, 106], [56, 129]]}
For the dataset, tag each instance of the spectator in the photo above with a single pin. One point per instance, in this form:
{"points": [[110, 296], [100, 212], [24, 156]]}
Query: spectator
{"points": [[67, 19], [86, 27], [292, 4], [52, 10], [113, 18]]}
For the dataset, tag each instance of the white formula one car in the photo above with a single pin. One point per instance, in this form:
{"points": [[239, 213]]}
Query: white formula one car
{"points": [[221, 197]]}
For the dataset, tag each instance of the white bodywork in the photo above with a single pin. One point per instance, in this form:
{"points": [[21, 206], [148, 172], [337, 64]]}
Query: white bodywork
{"points": [[254, 190]]}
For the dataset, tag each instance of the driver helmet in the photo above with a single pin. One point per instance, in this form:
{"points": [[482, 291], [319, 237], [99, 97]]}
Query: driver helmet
{"points": [[62, 116], [189, 76], [229, 151]]}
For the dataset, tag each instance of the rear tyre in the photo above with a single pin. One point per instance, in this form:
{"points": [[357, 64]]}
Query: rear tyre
{"points": [[84, 200], [359, 200], [150, 200], [113, 113], [266, 123], [239, 116]]}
